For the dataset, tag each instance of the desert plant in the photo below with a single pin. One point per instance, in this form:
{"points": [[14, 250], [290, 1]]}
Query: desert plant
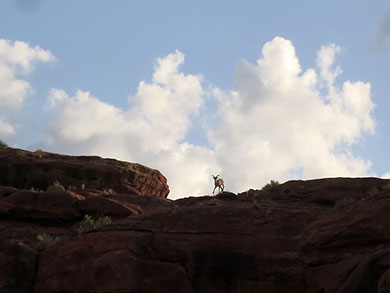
{"points": [[35, 190], [103, 220], [3, 144], [55, 186], [45, 241], [108, 191], [271, 187], [344, 202], [89, 224]]}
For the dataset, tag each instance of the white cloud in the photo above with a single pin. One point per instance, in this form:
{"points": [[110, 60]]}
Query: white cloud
{"points": [[278, 123], [149, 132], [386, 175], [325, 62], [17, 59], [6, 128], [170, 100]]}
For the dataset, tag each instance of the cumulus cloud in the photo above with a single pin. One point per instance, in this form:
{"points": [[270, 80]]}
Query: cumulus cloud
{"points": [[151, 131], [170, 100], [325, 61], [279, 122], [386, 175], [17, 60]]}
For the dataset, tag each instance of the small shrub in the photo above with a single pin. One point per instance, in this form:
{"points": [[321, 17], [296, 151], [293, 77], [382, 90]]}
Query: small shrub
{"points": [[386, 187], [272, 187], [108, 191], [89, 224], [103, 220], [35, 190], [45, 241], [55, 186], [3, 144], [344, 202]]}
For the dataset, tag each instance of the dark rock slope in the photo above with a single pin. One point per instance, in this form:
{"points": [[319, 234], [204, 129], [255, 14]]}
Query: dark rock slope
{"points": [[328, 235], [23, 169]]}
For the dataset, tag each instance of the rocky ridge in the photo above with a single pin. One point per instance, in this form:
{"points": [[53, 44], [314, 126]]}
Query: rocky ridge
{"points": [[325, 235], [23, 169]]}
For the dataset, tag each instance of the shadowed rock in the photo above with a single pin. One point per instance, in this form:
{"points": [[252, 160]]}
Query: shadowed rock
{"points": [[24, 169], [297, 239]]}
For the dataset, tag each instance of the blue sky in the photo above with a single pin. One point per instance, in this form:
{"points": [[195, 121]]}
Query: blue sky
{"points": [[165, 83]]}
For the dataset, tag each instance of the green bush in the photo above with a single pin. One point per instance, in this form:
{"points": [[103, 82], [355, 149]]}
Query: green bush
{"points": [[3, 144], [45, 241], [35, 190], [272, 187], [108, 191], [89, 224], [344, 202], [55, 186]]}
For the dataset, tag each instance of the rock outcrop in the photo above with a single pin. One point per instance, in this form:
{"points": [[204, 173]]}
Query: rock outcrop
{"points": [[327, 235], [24, 169]]}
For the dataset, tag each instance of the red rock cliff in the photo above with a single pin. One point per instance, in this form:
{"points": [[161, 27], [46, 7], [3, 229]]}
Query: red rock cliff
{"points": [[328, 235], [24, 169]]}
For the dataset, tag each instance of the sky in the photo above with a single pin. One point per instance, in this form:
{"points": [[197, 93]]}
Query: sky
{"points": [[251, 90]]}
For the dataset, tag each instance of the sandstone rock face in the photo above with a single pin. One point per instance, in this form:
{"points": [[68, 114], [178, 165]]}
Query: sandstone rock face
{"points": [[328, 235], [23, 169]]}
